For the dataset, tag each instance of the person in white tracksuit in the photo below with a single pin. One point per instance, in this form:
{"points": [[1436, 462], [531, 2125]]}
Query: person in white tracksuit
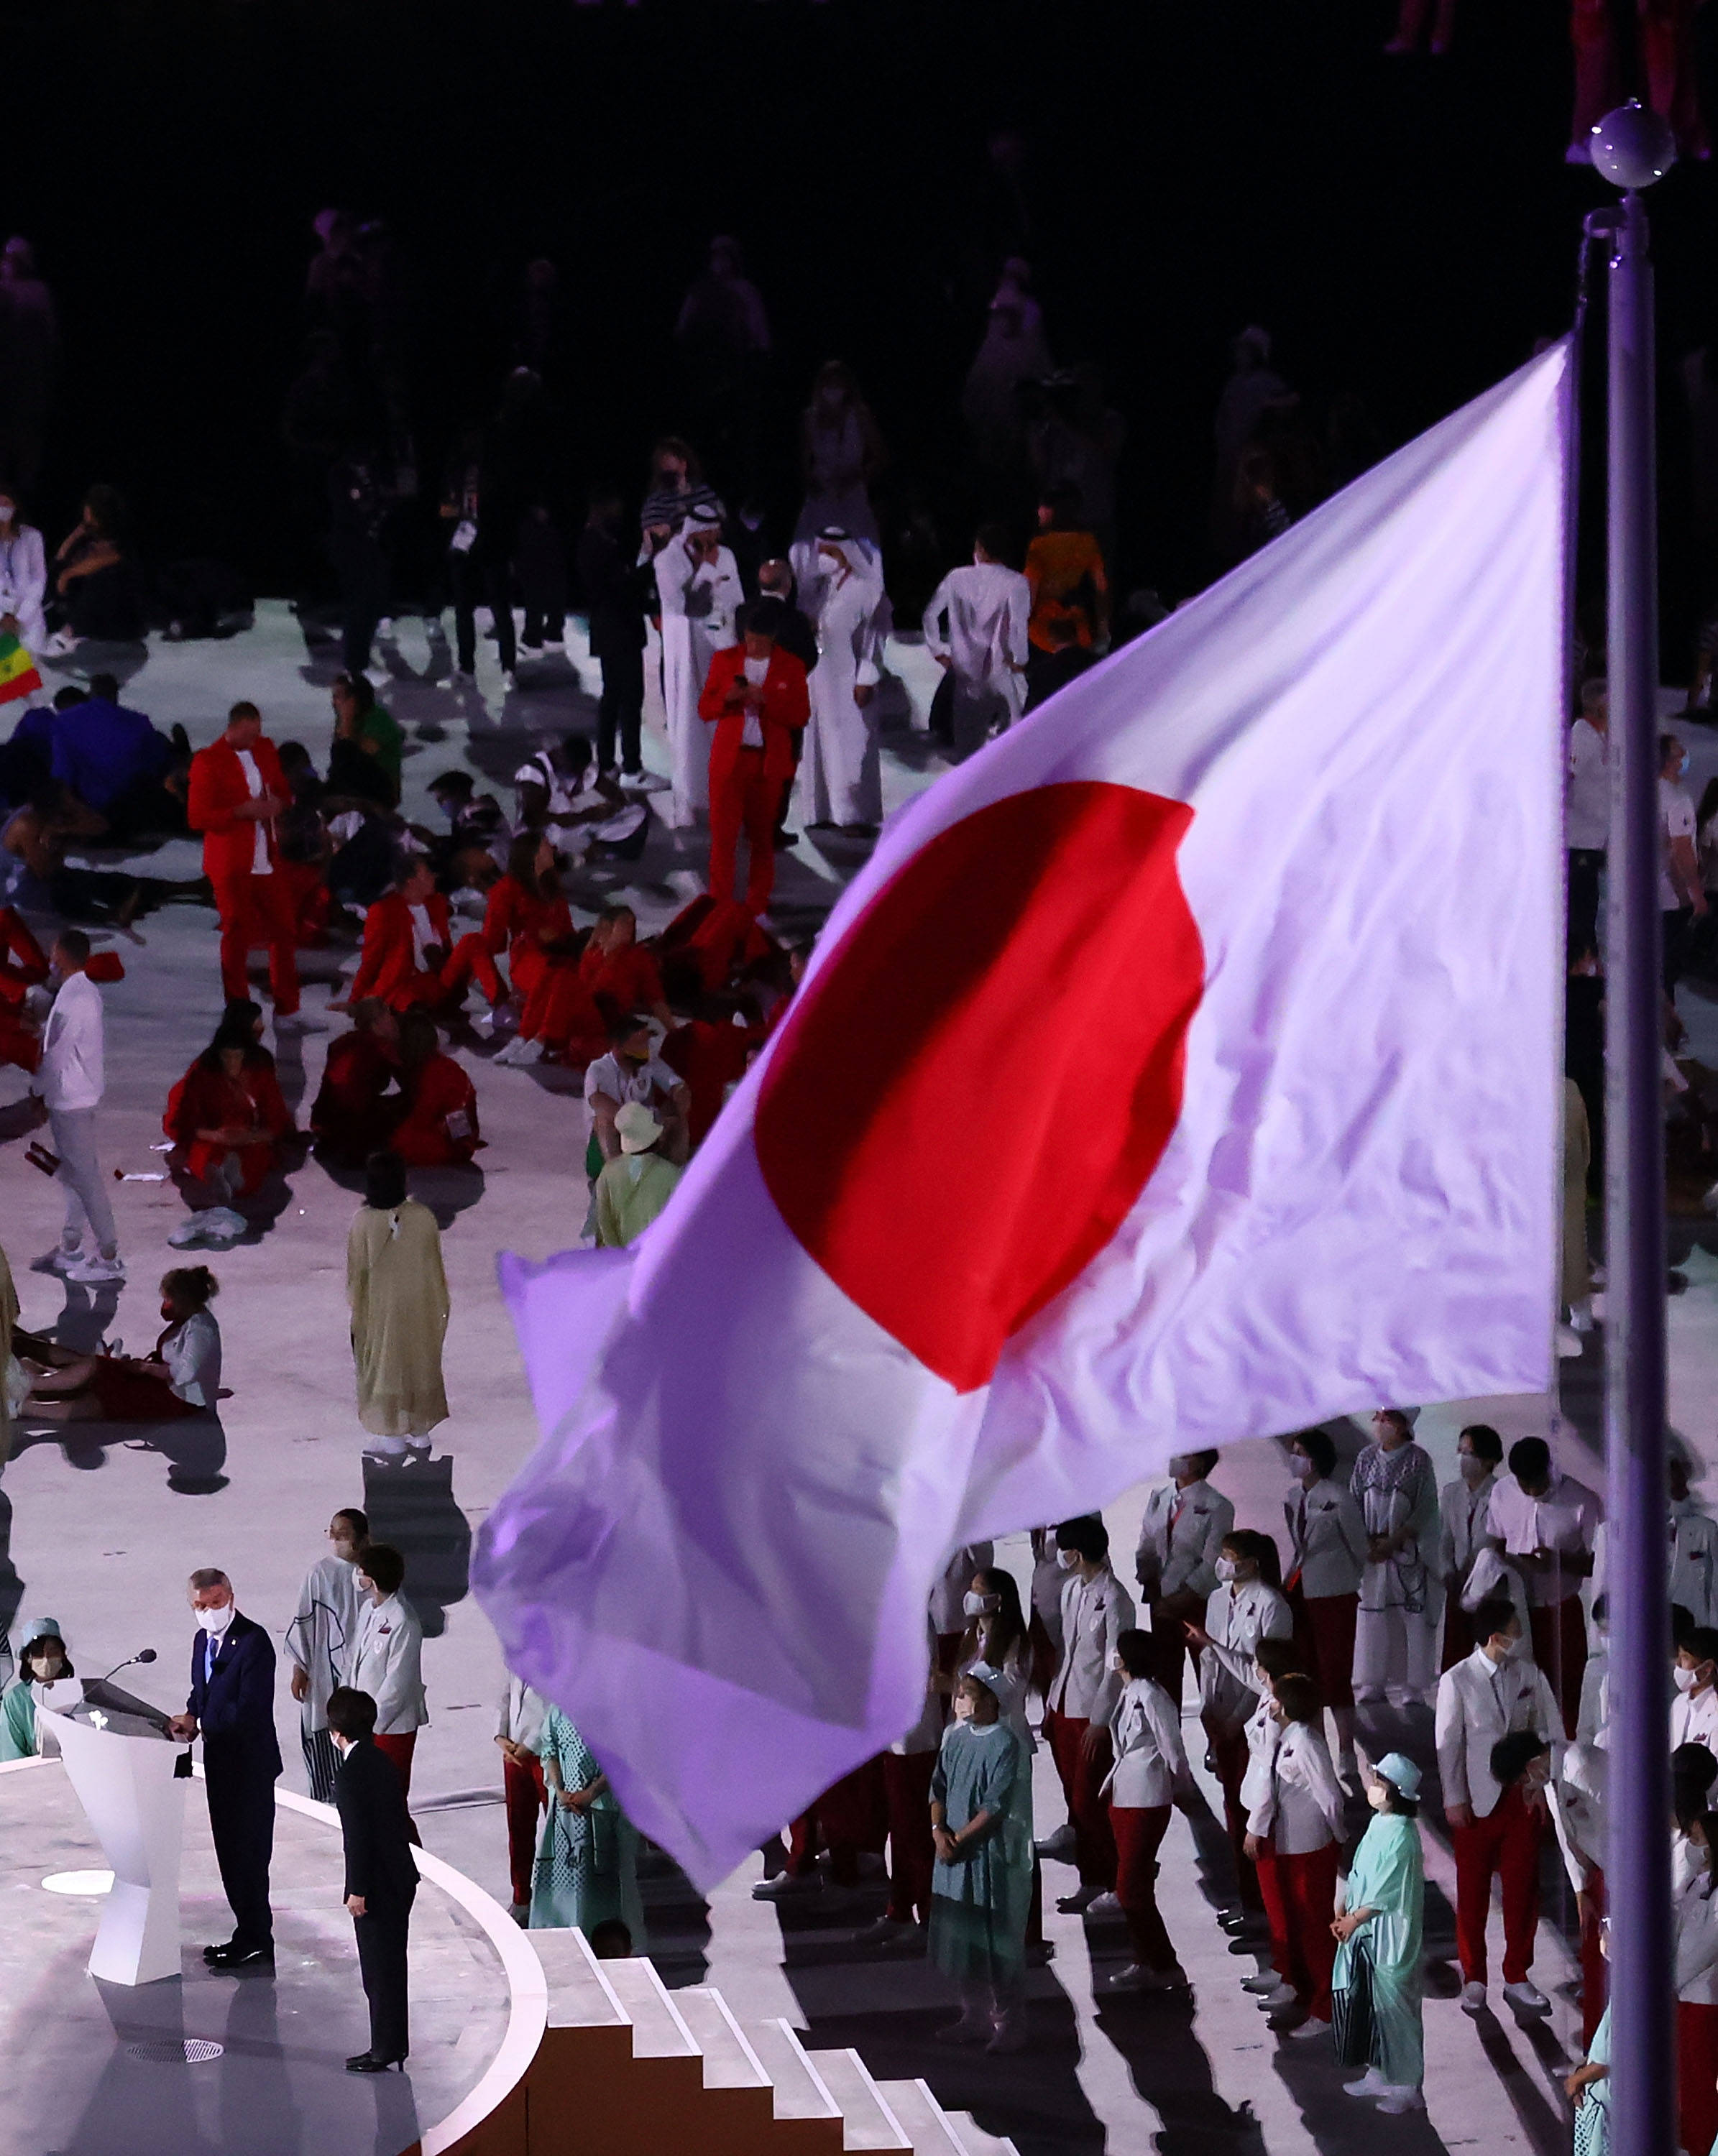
{"points": [[698, 592], [975, 629], [841, 588]]}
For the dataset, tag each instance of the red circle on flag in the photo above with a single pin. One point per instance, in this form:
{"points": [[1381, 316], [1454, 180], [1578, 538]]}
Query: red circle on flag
{"points": [[966, 1102]]}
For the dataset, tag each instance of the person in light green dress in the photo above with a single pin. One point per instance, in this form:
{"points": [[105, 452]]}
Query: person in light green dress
{"points": [[982, 1882], [42, 1660], [1382, 1903], [1589, 2089], [587, 1855]]}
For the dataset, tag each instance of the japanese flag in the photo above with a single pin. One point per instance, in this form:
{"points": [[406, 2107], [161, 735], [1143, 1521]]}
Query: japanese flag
{"points": [[1185, 1067]]}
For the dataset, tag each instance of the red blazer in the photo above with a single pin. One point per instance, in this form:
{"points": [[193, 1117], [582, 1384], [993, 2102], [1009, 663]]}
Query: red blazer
{"points": [[22, 965], [388, 965], [438, 1129], [787, 706], [218, 787], [206, 1100]]}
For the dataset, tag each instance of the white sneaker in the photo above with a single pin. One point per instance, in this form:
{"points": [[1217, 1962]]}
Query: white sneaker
{"points": [[1568, 1343], [385, 626], [880, 1933], [1104, 1905], [96, 1270], [1372, 2084], [1526, 1998], [1058, 1845], [483, 1025], [519, 1050], [1472, 1999], [190, 1233], [1273, 2002], [784, 1886], [1259, 1985], [59, 1259], [1312, 2026], [510, 680], [59, 645], [1393, 2101]]}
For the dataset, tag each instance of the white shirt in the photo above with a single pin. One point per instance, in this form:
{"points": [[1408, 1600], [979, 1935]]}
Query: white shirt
{"points": [[1300, 1806], [1238, 1617], [1693, 1719], [948, 1597], [1461, 1514], [1694, 1561], [259, 862], [387, 1664], [1327, 1533], [1566, 1518], [1150, 1761], [1694, 1916], [1479, 1701], [71, 1076], [1587, 803], [752, 732], [1182, 1538], [1095, 1613], [987, 607], [423, 936], [192, 1354], [1578, 1795], [522, 1714], [1593, 1714], [605, 1076], [1676, 820], [323, 1634]]}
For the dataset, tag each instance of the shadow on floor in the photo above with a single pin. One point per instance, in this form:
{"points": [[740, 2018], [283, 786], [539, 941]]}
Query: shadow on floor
{"points": [[415, 1509]]}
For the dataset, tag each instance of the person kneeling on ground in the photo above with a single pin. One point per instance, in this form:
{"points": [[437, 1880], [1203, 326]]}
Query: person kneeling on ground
{"points": [[357, 1104], [182, 1377], [438, 1129]]}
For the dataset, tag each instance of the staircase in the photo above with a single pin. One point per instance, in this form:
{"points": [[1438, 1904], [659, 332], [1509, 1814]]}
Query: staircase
{"points": [[627, 2067]]}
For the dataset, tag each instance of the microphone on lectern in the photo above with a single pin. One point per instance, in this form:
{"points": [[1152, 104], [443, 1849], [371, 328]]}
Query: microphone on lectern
{"points": [[146, 1655]]}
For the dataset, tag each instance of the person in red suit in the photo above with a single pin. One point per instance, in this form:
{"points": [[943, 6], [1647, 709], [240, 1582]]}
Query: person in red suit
{"points": [[756, 698], [228, 1120], [438, 1129], [709, 1047], [569, 1011], [526, 918], [23, 967], [410, 956], [237, 790], [359, 1102]]}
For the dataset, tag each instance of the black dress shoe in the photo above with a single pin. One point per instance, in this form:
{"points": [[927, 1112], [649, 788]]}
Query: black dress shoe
{"points": [[238, 1957], [366, 2062]]}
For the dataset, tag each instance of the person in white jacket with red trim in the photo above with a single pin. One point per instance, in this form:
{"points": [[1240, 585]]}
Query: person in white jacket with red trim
{"points": [[1149, 1773], [1295, 1823]]}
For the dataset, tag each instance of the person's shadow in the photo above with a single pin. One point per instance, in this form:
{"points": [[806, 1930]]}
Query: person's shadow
{"points": [[1169, 2068], [11, 1594], [414, 1508]]}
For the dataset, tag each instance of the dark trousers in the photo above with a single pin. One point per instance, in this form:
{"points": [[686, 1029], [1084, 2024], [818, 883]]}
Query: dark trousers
{"points": [[542, 564], [1559, 1634], [1585, 865], [241, 1817], [361, 569], [621, 710], [1679, 924], [488, 584], [381, 1962], [913, 1856]]}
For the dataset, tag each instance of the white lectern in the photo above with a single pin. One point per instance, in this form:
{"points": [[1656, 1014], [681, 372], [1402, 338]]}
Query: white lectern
{"points": [[125, 1769]]}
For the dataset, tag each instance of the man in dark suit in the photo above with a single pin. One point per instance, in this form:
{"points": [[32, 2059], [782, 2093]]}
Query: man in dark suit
{"points": [[381, 1873], [232, 1706]]}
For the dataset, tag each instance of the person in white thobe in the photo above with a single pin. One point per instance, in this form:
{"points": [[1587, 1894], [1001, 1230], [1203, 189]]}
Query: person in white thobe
{"points": [[698, 594], [320, 1642], [842, 589], [975, 629]]}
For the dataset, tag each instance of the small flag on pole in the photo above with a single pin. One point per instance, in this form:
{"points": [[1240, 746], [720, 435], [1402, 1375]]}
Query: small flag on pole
{"points": [[18, 671]]}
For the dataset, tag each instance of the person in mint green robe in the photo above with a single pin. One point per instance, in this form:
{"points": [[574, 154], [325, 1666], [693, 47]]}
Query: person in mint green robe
{"points": [[982, 1882], [587, 1855], [1383, 1902], [43, 1659], [1589, 2086]]}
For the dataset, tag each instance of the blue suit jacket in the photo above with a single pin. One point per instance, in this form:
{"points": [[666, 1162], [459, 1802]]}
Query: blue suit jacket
{"points": [[235, 1706]]}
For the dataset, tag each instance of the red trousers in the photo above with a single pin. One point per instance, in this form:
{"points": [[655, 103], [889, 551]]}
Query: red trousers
{"points": [[1506, 1843], [907, 1780], [1324, 1631], [399, 1749], [1229, 1755], [851, 1814], [1560, 1649], [258, 909], [471, 959], [523, 1788], [1083, 1775], [560, 1009], [745, 800], [1696, 2075], [1139, 1830], [17, 1045], [1595, 1969], [1300, 1897]]}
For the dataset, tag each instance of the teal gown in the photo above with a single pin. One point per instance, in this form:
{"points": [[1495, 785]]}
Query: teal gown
{"points": [[979, 1904], [587, 1862], [1593, 2122], [18, 1721], [1388, 1874]]}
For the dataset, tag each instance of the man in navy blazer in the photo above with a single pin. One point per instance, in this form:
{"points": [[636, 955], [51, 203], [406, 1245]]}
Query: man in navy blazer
{"points": [[232, 1708]]}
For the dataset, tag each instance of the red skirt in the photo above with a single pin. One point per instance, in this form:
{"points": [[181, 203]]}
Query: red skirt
{"points": [[133, 1396]]}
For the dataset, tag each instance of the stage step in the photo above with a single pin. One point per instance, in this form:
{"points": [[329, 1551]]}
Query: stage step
{"points": [[659, 2031], [923, 2119], [866, 2120], [800, 2089], [730, 2060], [976, 2140]]}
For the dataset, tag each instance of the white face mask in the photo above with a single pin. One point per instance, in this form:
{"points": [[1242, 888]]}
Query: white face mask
{"points": [[1068, 1559], [963, 1707], [980, 1605], [1472, 1471], [1685, 1678], [1377, 1796], [1304, 1470], [1225, 1569], [215, 1620]]}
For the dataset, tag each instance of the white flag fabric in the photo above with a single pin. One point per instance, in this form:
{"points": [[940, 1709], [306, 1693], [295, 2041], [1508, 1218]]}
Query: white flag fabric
{"points": [[1185, 1067]]}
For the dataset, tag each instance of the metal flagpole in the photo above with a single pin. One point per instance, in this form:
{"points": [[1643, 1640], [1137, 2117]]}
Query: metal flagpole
{"points": [[1633, 148]]}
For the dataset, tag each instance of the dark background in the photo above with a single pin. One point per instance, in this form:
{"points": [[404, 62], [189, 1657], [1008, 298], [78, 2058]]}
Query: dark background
{"points": [[1407, 229]]}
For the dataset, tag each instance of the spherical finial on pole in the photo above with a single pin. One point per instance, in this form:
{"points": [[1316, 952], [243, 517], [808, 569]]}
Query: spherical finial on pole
{"points": [[1633, 147]]}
